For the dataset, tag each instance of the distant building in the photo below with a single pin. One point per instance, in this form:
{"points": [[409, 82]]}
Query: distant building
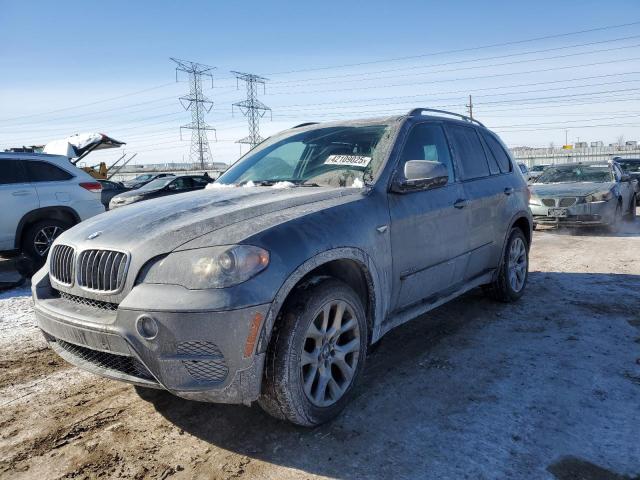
{"points": [[631, 143], [597, 144], [581, 145]]}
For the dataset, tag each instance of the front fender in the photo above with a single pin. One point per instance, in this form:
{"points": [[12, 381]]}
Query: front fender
{"points": [[378, 303]]}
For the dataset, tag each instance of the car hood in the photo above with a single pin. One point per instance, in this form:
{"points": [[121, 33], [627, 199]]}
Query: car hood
{"points": [[581, 189], [163, 224]]}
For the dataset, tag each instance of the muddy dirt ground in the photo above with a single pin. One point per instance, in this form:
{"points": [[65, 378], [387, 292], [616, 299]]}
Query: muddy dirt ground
{"points": [[548, 387]]}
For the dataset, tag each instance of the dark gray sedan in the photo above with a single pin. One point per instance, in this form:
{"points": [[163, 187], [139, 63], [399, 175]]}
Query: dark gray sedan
{"points": [[579, 194], [161, 187]]}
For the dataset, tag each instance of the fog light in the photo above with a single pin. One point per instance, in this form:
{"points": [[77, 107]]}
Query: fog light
{"points": [[147, 327]]}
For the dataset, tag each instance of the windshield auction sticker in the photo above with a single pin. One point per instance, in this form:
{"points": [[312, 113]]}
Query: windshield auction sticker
{"points": [[350, 160]]}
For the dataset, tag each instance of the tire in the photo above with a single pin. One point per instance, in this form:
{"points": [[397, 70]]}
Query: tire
{"points": [[292, 389], [38, 238], [504, 288]]}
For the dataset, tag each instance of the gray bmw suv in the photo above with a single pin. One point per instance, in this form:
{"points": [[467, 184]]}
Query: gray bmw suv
{"points": [[271, 284]]}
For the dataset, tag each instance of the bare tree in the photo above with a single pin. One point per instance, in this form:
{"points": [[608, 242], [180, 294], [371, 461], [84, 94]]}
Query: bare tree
{"points": [[620, 140], [552, 146]]}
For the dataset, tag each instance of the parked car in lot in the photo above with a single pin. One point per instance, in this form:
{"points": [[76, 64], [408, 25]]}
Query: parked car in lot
{"points": [[272, 285], [525, 171], [536, 171], [142, 180], [583, 194], [631, 166], [160, 187], [110, 190], [41, 196]]}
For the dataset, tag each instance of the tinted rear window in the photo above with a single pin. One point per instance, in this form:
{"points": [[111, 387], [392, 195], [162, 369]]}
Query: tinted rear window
{"points": [[469, 151], [46, 172], [12, 171], [498, 152]]}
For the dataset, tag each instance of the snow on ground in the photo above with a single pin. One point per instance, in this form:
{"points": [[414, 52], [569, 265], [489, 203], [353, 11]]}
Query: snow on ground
{"points": [[544, 388]]}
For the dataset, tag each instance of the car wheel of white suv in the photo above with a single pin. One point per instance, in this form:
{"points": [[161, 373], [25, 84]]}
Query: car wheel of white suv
{"points": [[39, 237]]}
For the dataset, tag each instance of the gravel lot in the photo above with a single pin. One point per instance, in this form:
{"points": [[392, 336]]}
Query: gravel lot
{"points": [[545, 388]]}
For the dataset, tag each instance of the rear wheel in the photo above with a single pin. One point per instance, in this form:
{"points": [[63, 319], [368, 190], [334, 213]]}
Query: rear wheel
{"points": [[514, 270], [316, 354], [614, 226], [39, 237]]}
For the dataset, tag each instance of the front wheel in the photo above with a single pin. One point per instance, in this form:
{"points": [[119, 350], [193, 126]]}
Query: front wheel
{"points": [[514, 270], [39, 237], [316, 354]]}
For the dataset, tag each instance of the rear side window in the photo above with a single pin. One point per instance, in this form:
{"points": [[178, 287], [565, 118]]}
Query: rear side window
{"points": [[46, 172], [498, 152], [12, 171], [427, 141], [473, 162], [199, 181]]}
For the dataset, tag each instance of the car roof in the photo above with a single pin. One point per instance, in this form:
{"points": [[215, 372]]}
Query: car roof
{"points": [[582, 164], [32, 156]]}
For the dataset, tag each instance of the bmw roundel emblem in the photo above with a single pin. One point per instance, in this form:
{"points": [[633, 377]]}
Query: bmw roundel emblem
{"points": [[94, 235]]}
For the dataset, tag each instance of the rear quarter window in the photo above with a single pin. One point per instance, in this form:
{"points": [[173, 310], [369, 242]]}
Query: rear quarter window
{"points": [[39, 171], [496, 149]]}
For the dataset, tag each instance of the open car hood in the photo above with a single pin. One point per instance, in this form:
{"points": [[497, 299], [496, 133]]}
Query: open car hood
{"points": [[81, 144]]}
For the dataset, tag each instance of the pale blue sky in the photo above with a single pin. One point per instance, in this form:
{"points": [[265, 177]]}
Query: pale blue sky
{"points": [[57, 57]]}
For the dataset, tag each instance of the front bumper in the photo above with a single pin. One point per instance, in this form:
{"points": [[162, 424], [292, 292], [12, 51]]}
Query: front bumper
{"points": [[579, 215], [198, 355]]}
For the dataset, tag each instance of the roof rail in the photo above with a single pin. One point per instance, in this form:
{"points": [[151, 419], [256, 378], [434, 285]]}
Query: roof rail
{"points": [[306, 124], [418, 111]]}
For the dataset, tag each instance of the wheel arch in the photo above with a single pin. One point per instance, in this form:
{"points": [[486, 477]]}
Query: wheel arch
{"points": [[63, 214], [351, 265]]}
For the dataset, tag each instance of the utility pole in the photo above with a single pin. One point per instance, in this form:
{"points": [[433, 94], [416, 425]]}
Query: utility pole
{"points": [[470, 107], [252, 108], [566, 136], [199, 104]]}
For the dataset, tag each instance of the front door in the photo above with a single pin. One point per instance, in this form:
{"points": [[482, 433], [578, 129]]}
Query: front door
{"points": [[17, 198], [428, 227]]}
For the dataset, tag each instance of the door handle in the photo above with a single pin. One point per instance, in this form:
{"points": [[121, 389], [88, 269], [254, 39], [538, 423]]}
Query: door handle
{"points": [[20, 193], [508, 190], [461, 203]]}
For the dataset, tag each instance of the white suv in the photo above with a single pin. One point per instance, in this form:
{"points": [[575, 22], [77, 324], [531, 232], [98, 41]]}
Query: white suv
{"points": [[41, 196]]}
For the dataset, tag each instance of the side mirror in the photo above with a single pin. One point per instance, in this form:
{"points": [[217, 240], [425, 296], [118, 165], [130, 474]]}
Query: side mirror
{"points": [[421, 175]]}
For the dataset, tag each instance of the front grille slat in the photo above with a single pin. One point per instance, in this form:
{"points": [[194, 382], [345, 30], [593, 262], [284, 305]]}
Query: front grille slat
{"points": [[61, 264], [568, 201], [102, 270]]}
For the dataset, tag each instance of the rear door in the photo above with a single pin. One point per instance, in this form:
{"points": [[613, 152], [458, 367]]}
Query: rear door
{"points": [[17, 198], [428, 232], [51, 182], [484, 196]]}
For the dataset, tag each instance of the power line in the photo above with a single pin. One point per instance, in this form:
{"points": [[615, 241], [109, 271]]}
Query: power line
{"points": [[461, 50]]}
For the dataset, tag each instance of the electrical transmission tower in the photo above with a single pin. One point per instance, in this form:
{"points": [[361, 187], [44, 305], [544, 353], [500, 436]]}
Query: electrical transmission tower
{"points": [[199, 104], [252, 108]]}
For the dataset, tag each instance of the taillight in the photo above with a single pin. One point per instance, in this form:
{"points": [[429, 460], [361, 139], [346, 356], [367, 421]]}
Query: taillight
{"points": [[94, 187]]}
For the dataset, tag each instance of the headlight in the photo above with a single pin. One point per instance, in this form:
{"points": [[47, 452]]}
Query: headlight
{"points": [[599, 197], [212, 267], [535, 200]]}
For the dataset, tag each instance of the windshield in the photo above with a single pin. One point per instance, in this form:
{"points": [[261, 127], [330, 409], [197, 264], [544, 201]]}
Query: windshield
{"points": [[538, 168], [157, 184], [577, 173], [631, 166], [142, 178], [331, 156]]}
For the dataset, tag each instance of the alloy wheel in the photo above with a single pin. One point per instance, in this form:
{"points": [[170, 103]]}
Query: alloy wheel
{"points": [[330, 353], [44, 238], [517, 265]]}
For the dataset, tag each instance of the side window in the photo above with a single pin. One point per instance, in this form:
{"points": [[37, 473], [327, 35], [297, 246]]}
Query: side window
{"points": [[473, 162], [617, 172], [46, 172], [498, 152], [199, 182], [12, 171], [180, 184], [427, 141], [107, 186]]}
